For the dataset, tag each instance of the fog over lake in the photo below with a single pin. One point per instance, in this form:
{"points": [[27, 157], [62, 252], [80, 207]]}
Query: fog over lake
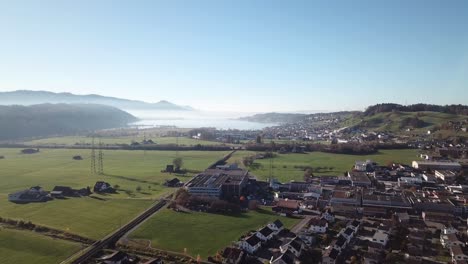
{"points": [[195, 119]]}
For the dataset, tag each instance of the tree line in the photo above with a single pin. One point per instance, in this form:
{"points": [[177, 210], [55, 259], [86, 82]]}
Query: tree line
{"points": [[390, 107]]}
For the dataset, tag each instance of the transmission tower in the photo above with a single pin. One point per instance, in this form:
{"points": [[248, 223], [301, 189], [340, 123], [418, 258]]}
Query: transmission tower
{"points": [[177, 145], [100, 159], [271, 161], [93, 158], [144, 147]]}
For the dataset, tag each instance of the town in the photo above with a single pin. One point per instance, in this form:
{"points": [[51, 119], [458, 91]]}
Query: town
{"points": [[234, 132], [373, 213]]}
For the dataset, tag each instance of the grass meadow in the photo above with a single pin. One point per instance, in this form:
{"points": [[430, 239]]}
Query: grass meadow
{"points": [[28, 247], [86, 216], [202, 234], [288, 167]]}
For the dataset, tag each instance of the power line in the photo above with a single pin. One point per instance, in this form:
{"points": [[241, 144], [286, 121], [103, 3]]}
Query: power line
{"points": [[177, 144], [100, 159], [93, 157]]}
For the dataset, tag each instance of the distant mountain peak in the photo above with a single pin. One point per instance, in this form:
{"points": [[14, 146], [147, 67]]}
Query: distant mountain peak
{"points": [[29, 97]]}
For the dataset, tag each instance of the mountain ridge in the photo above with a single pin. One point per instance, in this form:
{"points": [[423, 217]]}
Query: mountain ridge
{"points": [[30, 97], [18, 121]]}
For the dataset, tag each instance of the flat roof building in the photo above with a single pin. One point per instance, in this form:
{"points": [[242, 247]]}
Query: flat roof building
{"points": [[436, 165], [221, 183]]}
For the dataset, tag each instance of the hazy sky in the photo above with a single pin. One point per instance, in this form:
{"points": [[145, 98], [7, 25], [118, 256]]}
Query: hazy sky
{"points": [[240, 55]]}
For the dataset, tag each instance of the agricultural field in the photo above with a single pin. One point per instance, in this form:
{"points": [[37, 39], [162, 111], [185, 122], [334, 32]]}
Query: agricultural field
{"points": [[392, 121], [87, 216], [288, 167], [28, 247], [83, 140], [202, 233]]}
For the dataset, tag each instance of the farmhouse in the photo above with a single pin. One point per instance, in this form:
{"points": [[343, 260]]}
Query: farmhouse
{"points": [[173, 183], [63, 191], [34, 194], [103, 187]]}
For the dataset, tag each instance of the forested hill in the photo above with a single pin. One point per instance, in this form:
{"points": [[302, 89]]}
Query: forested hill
{"points": [[448, 109], [58, 119]]}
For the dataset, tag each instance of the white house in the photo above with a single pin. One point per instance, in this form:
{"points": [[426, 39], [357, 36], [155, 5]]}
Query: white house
{"points": [[318, 225], [330, 256], [295, 246], [265, 234], [251, 244], [285, 258], [449, 230], [276, 226], [347, 233], [340, 243], [354, 225], [380, 237], [329, 216]]}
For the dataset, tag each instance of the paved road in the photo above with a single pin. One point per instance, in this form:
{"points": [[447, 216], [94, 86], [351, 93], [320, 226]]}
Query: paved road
{"points": [[86, 254], [297, 228]]}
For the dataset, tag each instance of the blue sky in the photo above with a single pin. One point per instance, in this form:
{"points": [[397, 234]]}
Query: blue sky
{"points": [[240, 55]]}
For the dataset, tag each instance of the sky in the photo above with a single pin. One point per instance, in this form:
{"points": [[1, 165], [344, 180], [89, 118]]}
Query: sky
{"points": [[244, 56]]}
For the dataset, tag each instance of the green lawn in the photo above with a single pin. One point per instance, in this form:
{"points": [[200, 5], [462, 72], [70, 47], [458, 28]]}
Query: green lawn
{"points": [[28, 247], [202, 233], [331, 164], [72, 140], [86, 216]]}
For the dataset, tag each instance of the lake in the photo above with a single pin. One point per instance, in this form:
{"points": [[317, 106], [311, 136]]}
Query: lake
{"points": [[196, 119]]}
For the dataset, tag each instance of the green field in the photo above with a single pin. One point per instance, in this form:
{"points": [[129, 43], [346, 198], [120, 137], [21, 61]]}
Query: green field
{"points": [[87, 216], [202, 233], [331, 164], [392, 121], [82, 140], [28, 247]]}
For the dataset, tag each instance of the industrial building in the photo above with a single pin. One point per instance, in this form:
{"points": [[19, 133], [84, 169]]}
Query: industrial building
{"points": [[226, 182]]}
